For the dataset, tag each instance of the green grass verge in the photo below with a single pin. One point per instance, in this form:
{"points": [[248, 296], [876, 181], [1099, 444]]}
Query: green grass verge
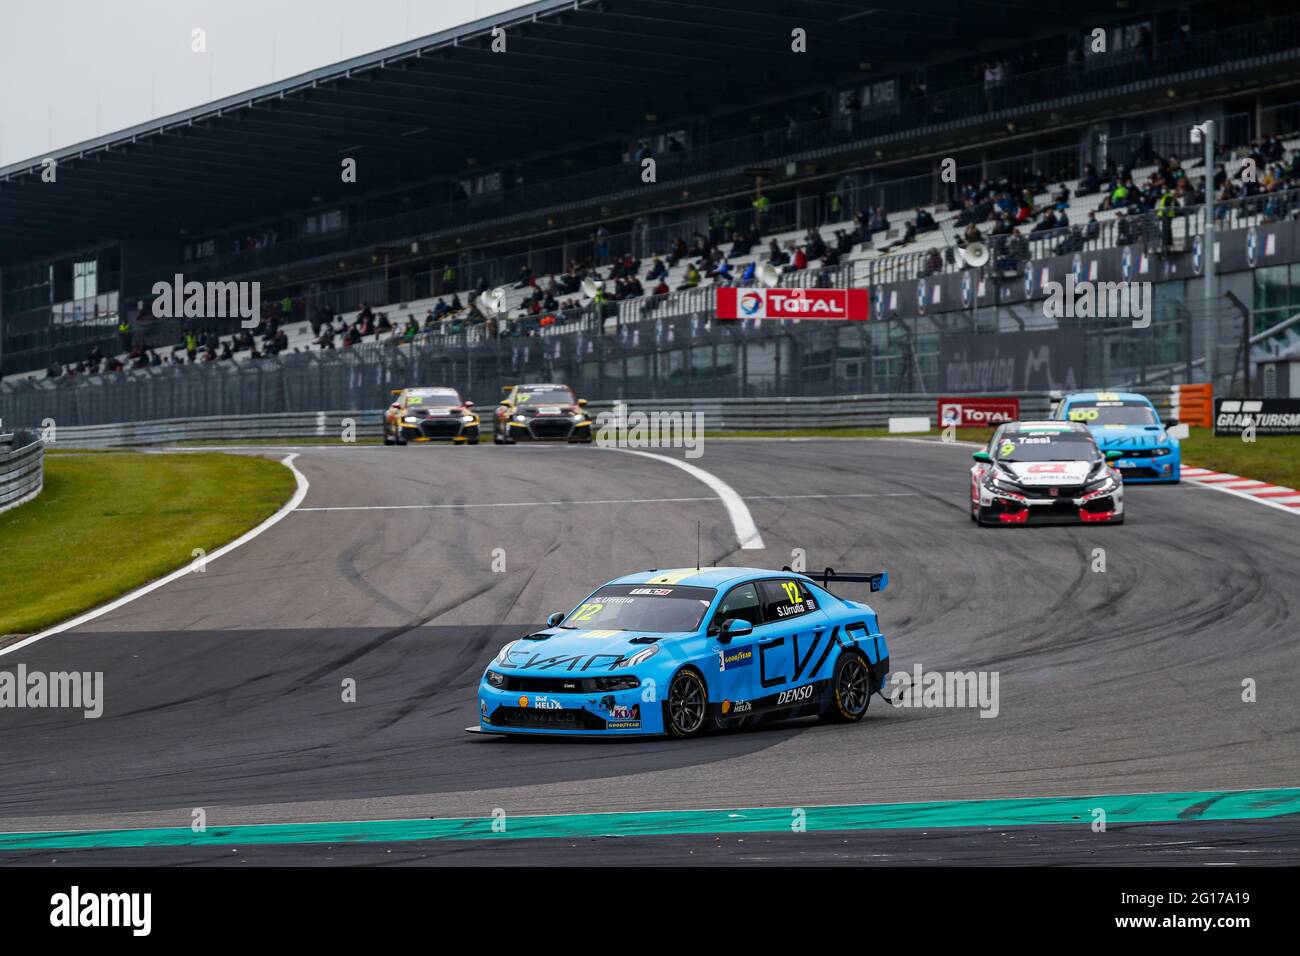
{"points": [[108, 523], [1271, 458]]}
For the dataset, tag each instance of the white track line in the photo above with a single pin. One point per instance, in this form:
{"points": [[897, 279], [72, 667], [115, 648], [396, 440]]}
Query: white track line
{"points": [[600, 501], [741, 520], [247, 536]]}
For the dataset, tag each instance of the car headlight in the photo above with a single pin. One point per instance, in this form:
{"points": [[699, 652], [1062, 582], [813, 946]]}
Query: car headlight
{"points": [[467, 418], [520, 418], [410, 419], [1160, 451], [578, 416], [999, 481], [1105, 482], [495, 679], [617, 683]]}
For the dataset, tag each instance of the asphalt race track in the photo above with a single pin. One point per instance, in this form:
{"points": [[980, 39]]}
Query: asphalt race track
{"points": [[223, 689]]}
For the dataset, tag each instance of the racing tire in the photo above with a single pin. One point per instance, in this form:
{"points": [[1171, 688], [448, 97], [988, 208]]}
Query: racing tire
{"points": [[981, 517], [974, 512], [686, 707], [850, 690], [398, 439], [472, 441], [388, 439]]}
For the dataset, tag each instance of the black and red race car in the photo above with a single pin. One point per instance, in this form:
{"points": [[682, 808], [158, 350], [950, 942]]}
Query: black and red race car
{"points": [[430, 414], [541, 413], [1045, 473]]}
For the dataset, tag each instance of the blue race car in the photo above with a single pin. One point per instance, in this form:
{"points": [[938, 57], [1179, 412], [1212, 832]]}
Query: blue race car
{"points": [[1127, 423], [681, 652]]}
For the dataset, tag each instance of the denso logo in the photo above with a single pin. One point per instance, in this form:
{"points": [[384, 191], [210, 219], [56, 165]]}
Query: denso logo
{"points": [[792, 696]]}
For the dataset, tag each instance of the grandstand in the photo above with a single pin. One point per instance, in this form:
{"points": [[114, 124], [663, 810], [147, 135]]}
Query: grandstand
{"points": [[835, 168]]}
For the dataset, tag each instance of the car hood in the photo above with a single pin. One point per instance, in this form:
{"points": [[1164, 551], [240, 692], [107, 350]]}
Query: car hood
{"points": [[1129, 437], [532, 411], [1034, 474], [555, 650]]}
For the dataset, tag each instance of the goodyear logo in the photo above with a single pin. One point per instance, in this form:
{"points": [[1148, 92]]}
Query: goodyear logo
{"points": [[733, 659]]}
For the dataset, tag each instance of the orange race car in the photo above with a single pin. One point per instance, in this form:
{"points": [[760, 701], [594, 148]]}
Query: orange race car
{"points": [[430, 414]]}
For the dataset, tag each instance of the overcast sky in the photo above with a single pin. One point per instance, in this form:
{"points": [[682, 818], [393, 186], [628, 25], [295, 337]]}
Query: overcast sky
{"points": [[75, 69]]}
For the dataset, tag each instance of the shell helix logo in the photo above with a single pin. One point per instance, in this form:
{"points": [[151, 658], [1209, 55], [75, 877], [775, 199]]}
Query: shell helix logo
{"points": [[751, 303], [523, 701]]}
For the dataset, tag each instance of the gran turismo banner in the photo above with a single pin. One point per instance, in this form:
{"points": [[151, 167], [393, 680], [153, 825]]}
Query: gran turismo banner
{"points": [[1267, 416], [838, 304]]}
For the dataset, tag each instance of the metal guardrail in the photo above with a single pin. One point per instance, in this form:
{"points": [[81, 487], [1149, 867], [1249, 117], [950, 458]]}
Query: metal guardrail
{"points": [[22, 468], [720, 414], [740, 414]]}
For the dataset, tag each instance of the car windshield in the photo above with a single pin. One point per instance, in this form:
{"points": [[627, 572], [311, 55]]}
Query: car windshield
{"points": [[1050, 446], [545, 396], [657, 608], [433, 398], [1112, 413]]}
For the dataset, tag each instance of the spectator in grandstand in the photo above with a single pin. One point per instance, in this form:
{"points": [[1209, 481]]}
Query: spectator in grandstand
{"points": [[54, 370], [525, 277], [1090, 182], [879, 220], [760, 205], [800, 261], [448, 278], [776, 255], [1123, 229], [814, 244], [678, 252], [924, 221], [658, 270], [456, 304], [1047, 223], [972, 234], [1120, 196], [1093, 229], [692, 279]]}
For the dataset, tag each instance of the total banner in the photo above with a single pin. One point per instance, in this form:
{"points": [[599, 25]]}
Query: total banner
{"points": [[837, 304], [1266, 416], [1012, 362], [977, 412]]}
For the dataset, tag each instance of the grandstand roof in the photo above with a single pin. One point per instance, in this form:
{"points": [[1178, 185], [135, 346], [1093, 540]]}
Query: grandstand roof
{"points": [[576, 71]]}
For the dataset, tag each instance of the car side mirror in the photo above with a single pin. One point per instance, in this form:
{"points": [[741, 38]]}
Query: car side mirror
{"points": [[982, 456], [469, 404], [1114, 455], [395, 405], [1171, 422], [734, 627], [555, 619], [582, 403]]}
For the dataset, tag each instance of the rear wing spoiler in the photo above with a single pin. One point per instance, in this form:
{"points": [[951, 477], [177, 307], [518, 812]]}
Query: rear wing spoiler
{"points": [[879, 580]]}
